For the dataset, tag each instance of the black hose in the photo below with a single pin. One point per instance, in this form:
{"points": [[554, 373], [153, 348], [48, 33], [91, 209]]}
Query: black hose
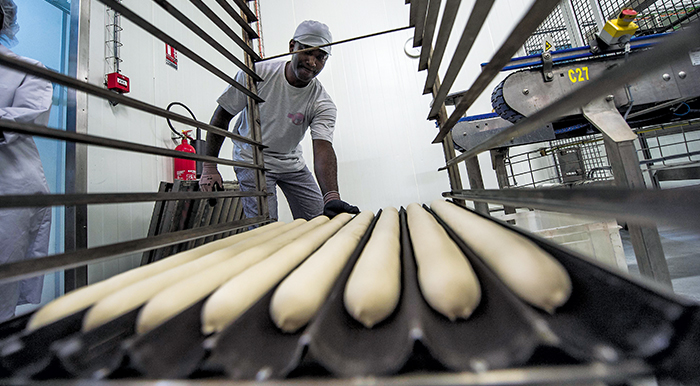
{"points": [[199, 135]]}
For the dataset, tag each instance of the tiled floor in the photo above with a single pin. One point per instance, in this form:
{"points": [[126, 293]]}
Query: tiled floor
{"points": [[682, 250]]}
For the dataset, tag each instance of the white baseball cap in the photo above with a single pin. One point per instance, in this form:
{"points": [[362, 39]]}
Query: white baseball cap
{"points": [[313, 33]]}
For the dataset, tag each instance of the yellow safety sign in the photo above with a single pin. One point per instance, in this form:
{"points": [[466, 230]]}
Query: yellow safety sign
{"points": [[548, 43]]}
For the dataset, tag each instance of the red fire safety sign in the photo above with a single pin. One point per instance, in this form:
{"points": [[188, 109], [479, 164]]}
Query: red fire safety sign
{"points": [[171, 56]]}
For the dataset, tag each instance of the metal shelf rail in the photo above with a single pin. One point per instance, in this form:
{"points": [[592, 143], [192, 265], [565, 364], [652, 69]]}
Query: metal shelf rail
{"points": [[79, 257]]}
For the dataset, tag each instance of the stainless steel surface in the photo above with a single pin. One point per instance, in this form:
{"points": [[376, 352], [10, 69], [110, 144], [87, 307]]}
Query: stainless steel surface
{"points": [[33, 267], [420, 6], [430, 23], [476, 20], [221, 24], [243, 6], [75, 220], [192, 26], [448, 20], [539, 11], [542, 94], [604, 116], [156, 32], [112, 96], [498, 163], [256, 132], [19, 201], [612, 79], [468, 134], [448, 148], [639, 5], [589, 374], [412, 13], [678, 173], [476, 181], [673, 206], [622, 155], [646, 89], [46, 132]]}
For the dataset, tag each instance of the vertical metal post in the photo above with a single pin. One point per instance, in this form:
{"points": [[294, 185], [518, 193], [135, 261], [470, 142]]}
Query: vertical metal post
{"points": [[619, 144], [572, 29], [448, 149], [76, 154], [498, 160], [646, 152], [254, 124], [476, 181], [597, 15]]}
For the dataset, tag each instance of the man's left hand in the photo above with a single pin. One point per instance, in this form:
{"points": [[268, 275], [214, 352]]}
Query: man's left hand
{"points": [[336, 207]]}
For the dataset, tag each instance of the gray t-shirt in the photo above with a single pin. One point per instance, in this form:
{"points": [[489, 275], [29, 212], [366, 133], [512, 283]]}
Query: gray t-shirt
{"points": [[284, 117]]}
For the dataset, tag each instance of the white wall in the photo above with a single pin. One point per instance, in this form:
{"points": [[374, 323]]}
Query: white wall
{"points": [[382, 136]]}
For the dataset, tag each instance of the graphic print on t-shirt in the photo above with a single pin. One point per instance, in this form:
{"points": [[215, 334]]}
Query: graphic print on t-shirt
{"points": [[297, 118]]}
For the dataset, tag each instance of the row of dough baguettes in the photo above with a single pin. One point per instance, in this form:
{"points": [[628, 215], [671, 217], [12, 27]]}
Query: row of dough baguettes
{"points": [[237, 271]]}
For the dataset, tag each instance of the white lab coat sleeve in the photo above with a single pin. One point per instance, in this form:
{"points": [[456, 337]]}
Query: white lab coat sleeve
{"points": [[31, 103]]}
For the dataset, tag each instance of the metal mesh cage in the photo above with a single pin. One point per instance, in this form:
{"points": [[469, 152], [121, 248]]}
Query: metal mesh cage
{"points": [[564, 161], [660, 16], [555, 26], [585, 18]]}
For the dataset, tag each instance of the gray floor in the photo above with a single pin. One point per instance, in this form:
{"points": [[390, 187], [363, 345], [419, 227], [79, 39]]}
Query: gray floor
{"points": [[682, 250]]}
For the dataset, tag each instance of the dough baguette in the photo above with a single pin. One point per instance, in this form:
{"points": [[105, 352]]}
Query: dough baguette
{"points": [[374, 286], [232, 299], [176, 298], [134, 295], [446, 279], [527, 270], [297, 299], [85, 297]]}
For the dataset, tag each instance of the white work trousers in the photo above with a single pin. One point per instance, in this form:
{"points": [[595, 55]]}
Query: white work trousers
{"points": [[24, 234]]}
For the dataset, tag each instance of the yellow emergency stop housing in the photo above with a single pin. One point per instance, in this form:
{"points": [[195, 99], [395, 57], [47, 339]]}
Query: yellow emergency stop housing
{"points": [[620, 30]]}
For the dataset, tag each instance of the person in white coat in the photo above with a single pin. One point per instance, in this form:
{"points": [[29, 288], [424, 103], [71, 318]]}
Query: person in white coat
{"points": [[24, 232]]}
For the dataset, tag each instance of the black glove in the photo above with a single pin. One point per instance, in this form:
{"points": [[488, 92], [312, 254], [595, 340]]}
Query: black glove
{"points": [[336, 207]]}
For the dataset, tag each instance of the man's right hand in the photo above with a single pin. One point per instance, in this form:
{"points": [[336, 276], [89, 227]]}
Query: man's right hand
{"points": [[210, 177]]}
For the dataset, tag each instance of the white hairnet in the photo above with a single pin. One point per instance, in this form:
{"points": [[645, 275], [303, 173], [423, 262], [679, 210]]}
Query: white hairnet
{"points": [[9, 25]]}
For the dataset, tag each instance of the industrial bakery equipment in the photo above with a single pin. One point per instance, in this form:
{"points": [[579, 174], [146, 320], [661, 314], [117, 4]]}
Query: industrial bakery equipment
{"points": [[613, 328]]}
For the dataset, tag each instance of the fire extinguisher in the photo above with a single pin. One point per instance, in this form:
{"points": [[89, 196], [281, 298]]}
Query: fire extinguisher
{"points": [[185, 169], [199, 144]]}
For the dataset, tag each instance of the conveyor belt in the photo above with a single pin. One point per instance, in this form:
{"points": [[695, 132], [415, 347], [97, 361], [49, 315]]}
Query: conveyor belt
{"points": [[611, 318]]}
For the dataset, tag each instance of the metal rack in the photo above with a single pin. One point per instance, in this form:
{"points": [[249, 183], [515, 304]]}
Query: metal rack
{"points": [[75, 199], [630, 202], [590, 99]]}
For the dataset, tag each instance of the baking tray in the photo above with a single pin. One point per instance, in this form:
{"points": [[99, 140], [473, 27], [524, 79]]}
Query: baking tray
{"points": [[173, 349], [253, 347], [347, 348], [97, 353], [24, 354], [612, 316]]}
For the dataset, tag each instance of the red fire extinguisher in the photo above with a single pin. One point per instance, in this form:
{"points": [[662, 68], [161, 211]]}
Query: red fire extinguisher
{"points": [[185, 169]]}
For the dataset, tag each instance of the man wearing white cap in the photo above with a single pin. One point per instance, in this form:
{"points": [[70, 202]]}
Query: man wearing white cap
{"points": [[24, 232], [294, 101]]}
